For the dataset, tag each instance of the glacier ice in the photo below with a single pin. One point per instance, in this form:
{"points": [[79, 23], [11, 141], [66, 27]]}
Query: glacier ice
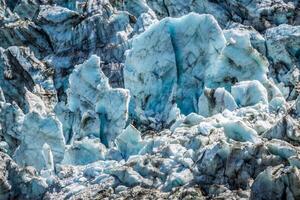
{"points": [[298, 106], [248, 93], [260, 14], [215, 101], [240, 61], [22, 181], [34, 103], [178, 179], [103, 110], [141, 61], [22, 71], [11, 129], [42, 130], [184, 54], [129, 142], [270, 183], [221, 62], [239, 131], [85, 151], [281, 148], [138, 99], [283, 43]]}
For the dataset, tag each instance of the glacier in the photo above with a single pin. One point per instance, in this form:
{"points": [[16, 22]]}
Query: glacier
{"points": [[140, 99]]}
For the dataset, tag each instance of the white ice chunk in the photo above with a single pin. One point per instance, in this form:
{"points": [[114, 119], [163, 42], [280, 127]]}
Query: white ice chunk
{"points": [[281, 148], [167, 64], [36, 131], [215, 101], [248, 93], [129, 142], [48, 157], [35, 103], [103, 110], [85, 151], [239, 131], [177, 179]]}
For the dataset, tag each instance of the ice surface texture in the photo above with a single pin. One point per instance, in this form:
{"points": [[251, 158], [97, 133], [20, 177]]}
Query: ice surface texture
{"points": [[133, 99]]}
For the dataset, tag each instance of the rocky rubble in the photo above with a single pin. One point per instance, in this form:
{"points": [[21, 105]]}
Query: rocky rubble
{"points": [[136, 99]]}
